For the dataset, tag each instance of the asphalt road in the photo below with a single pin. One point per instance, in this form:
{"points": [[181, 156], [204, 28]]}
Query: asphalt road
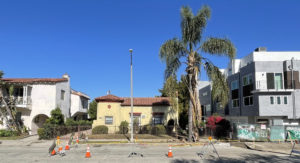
{"points": [[38, 152]]}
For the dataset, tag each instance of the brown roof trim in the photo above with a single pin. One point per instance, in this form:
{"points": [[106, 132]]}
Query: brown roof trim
{"points": [[80, 94], [147, 101], [33, 80]]}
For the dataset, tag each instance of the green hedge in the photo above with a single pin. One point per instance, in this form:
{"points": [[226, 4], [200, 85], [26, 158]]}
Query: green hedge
{"points": [[158, 130], [123, 128], [72, 122], [146, 129], [8, 133], [100, 130]]}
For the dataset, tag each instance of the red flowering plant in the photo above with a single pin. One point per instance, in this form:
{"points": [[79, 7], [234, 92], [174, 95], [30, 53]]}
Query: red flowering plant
{"points": [[212, 121]]}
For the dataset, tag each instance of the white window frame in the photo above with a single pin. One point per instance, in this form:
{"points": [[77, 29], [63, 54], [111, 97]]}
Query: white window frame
{"points": [[233, 103], [249, 100], [248, 77]]}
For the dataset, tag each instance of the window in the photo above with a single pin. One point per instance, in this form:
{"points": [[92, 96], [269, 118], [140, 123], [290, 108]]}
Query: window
{"points": [[285, 100], [274, 81], [235, 103], [272, 100], [278, 81], [234, 85], [248, 100], [108, 120], [204, 94], [157, 119], [62, 94], [278, 100], [247, 79]]}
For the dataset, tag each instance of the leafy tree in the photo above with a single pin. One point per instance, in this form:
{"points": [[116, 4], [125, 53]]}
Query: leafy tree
{"points": [[93, 110], [187, 50], [57, 118], [9, 111]]}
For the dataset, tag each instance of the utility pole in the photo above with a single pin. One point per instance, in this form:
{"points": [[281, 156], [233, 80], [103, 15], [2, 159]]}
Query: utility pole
{"points": [[131, 98]]}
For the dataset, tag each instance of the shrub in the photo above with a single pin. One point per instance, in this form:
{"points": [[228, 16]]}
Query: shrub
{"points": [[158, 130], [100, 130], [57, 118], [8, 133], [84, 122], [71, 122], [146, 129], [123, 128], [41, 133]]}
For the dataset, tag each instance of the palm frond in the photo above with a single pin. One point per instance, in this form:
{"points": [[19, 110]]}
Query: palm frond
{"points": [[219, 84], [171, 52], [192, 26], [219, 46]]}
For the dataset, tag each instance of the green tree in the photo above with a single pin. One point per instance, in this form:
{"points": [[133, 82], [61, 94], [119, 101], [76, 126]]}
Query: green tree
{"points": [[93, 110], [57, 118], [188, 49], [9, 110]]}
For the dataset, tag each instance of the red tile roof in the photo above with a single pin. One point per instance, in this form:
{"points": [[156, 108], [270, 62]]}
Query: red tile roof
{"points": [[109, 98], [33, 80], [139, 101]]}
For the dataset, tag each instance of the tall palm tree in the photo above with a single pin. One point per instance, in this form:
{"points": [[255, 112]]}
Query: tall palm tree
{"points": [[188, 49]]}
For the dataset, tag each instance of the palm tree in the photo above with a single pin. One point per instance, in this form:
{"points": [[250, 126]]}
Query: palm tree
{"points": [[188, 49]]}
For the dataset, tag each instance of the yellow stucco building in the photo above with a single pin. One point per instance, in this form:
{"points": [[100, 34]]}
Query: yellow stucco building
{"points": [[112, 110]]}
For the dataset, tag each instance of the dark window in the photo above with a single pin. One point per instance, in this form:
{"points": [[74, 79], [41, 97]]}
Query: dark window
{"points": [[62, 95], [278, 100], [235, 103], [235, 94], [158, 119], [285, 100], [270, 81], [271, 100], [248, 100]]}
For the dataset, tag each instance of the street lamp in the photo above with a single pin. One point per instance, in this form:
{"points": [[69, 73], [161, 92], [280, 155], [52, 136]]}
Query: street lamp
{"points": [[131, 98]]}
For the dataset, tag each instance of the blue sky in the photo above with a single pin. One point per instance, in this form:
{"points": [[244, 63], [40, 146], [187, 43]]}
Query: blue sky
{"points": [[89, 39]]}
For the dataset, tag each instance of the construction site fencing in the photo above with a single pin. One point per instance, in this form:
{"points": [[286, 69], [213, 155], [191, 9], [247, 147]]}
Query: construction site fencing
{"points": [[263, 132]]}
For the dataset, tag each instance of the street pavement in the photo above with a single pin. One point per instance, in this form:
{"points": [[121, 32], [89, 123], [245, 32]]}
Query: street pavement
{"points": [[37, 151]]}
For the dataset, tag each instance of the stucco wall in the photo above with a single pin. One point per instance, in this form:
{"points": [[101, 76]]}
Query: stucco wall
{"points": [[121, 113], [65, 104]]}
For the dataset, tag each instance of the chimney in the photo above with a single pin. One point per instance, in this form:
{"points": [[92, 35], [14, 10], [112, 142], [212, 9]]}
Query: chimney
{"points": [[261, 49], [66, 76]]}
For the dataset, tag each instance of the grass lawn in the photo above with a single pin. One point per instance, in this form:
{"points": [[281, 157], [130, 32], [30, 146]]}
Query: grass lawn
{"points": [[127, 136], [13, 137]]}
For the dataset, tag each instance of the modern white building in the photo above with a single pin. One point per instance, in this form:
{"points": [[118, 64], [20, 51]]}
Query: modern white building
{"points": [[37, 97]]}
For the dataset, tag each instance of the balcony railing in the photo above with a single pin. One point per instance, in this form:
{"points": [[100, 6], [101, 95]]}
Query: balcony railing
{"points": [[19, 101], [284, 85]]}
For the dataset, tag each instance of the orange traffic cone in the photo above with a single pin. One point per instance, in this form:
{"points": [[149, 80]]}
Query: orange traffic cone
{"points": [[88, 153], [170, 154], [67, 146], [53, 152], [60, 148]]}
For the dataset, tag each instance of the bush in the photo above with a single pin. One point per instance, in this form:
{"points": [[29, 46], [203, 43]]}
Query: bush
{"points": [[57, 118], [123, 128], [8, 133], [71, 122], [158, 130], [41, 133], [100, 130], [84, 123], [146, 129]]}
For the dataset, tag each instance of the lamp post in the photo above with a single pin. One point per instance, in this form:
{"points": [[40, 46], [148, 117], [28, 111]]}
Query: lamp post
{"points": [[131, 98]]}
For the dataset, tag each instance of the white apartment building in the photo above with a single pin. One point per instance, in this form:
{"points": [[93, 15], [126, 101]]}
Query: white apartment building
{"points": [[37, 97]]}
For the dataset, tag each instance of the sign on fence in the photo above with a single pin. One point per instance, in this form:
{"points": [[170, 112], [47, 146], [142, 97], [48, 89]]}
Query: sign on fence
{"points": [[277, 133], [294, 132]]}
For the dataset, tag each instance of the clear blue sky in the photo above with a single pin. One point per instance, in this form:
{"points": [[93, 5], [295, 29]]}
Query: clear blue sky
{"points": [[89, 39]]}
